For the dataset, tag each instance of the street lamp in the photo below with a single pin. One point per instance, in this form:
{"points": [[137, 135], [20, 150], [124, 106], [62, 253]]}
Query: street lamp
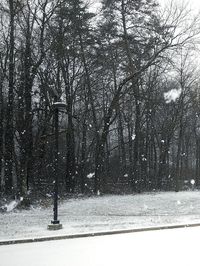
{"points": [[55, 223]]}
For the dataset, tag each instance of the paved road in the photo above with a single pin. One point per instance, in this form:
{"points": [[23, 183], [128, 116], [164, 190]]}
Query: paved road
{"points": [[175, 247]]}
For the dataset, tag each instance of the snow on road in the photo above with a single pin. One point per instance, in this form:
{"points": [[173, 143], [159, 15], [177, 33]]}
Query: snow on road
{"points": [[166, 247], [104, 213]]}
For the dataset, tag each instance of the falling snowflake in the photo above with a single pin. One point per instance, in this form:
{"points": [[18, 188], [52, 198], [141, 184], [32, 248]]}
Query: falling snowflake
{"points": [[172, 95], [90, 175], [133, 136]]}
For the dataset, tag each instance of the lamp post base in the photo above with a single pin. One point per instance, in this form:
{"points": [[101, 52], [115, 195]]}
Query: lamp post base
{"points": [[55, 225]]}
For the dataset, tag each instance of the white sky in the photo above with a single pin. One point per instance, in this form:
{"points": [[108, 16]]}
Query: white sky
{"points": [[195, 4]]}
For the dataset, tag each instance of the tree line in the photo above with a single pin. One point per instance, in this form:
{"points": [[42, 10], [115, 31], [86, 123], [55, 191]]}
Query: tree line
{"points": [[129, 77]]}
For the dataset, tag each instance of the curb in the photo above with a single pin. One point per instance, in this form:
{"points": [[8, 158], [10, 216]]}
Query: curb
{"points": [[106, 233]]}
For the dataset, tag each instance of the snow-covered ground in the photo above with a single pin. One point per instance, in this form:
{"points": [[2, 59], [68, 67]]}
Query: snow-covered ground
{"points": [[104, 213], [176, 247]]}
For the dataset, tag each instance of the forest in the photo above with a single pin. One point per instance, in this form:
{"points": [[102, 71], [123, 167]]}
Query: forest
{"points": [[128, 79]]}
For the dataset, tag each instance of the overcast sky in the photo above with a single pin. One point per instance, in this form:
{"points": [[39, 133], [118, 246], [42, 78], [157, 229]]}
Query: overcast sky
{"points": [[195, 4]]}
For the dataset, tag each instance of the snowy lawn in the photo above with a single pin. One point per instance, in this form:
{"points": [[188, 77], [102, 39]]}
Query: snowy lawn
{"points": [[104, 213], [175, 247]]}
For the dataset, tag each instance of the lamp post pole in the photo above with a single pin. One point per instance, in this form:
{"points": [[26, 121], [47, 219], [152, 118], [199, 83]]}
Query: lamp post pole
{"points": [[55, 224], [55, 208]]}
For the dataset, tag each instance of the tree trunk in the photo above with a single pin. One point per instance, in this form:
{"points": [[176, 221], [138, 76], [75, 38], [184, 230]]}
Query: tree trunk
{"points": [[162, 167], [122, 151], [178, 157], [136, 152], [1, 131], [28, 138], [83, 155], [197, 172], [70, 156], [98, 148], [9, 130]]}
